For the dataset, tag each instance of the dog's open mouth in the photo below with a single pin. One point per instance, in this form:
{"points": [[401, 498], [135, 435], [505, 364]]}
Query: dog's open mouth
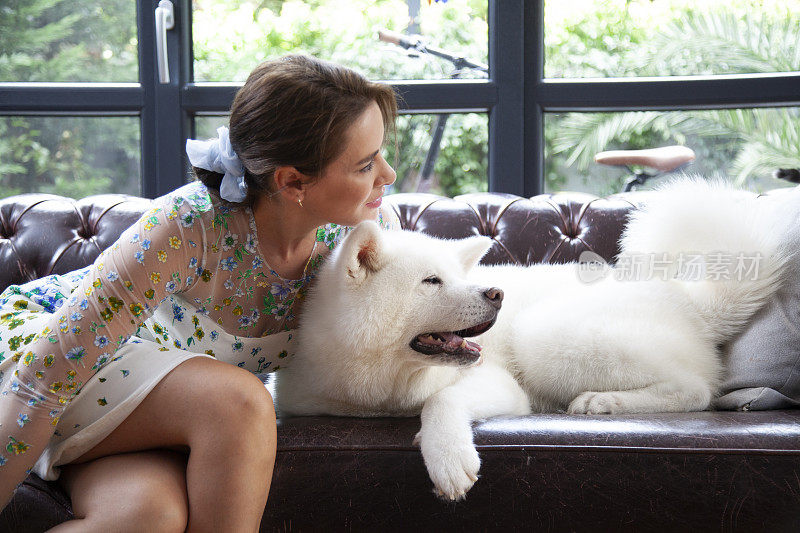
{"points": [[451, 344]]}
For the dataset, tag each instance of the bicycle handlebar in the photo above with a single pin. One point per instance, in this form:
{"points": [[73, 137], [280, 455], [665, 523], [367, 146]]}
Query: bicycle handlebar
{"points": [[393, 37], [415, 42]]}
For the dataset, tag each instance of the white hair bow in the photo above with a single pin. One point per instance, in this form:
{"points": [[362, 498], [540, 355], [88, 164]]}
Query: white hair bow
{"points": [[217, 155]]}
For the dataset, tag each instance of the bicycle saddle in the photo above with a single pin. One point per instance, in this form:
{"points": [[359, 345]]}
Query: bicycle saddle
{"points": [[665, 159]]}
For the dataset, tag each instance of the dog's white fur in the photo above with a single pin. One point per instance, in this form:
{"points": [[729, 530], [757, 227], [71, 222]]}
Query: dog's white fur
{"points": [[559, 343]]}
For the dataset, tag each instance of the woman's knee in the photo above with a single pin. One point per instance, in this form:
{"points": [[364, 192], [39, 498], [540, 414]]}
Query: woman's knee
{"points": [[157, 511], [144, 491], [239, 397], [254, 401], [234, 404]]}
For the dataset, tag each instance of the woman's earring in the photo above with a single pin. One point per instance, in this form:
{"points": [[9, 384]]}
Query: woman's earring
{"points": [[299, 201]]}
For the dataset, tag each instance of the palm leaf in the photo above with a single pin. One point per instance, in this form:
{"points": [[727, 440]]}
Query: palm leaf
{"points": [[729, 44], [774, 143], [769, 137], [582, 135]]}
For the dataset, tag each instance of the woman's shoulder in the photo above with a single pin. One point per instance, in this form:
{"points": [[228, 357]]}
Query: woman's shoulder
{"points": [[190, 201], [193, 202]]}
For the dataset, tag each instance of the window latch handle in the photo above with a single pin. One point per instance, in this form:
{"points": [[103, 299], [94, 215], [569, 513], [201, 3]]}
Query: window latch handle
{"points": [[165, 20]]}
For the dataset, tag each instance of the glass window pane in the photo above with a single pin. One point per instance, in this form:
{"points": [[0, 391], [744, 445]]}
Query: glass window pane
{"points": [[230, 38], [462, 163], [70, 156], [746, 146], [460, 167], [68, 41], [620, 38]]}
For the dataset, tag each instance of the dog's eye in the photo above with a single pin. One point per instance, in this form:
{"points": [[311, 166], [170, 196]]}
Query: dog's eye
{"points": [[433, 280]]}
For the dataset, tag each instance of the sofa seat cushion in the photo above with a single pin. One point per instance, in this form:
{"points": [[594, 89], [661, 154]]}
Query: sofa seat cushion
{"points": [[709, 470], [555, 471]]}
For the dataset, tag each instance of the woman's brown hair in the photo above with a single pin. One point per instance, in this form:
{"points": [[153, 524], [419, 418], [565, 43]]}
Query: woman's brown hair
{"points": [[296, 111]]}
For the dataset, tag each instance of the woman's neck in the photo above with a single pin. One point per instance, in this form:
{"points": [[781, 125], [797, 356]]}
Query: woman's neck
{"points": [[284, 231]]}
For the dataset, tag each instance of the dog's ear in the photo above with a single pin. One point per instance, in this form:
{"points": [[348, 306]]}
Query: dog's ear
{"points": [[363, 250], [471, 250]]}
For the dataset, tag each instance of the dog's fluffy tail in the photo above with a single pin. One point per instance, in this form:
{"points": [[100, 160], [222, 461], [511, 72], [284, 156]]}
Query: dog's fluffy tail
{"points": [[727, 248]]}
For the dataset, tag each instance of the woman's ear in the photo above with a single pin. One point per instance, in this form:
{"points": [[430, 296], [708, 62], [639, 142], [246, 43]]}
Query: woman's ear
{"points": [[290, 183]]}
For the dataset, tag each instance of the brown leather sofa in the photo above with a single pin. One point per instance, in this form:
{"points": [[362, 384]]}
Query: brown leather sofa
{"points": [[709, 471]]}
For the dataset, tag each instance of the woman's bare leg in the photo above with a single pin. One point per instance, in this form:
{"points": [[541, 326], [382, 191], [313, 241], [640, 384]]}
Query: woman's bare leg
{"points": [[140, 491], [224, 416]]}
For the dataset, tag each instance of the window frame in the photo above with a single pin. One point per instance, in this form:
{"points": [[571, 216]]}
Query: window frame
{"points": [[669, 93], [516, 97]]}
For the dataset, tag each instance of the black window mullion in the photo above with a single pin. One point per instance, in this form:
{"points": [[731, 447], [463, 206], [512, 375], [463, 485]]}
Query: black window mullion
{"points": [[208, 97], [446, 96], [187, 76], [533, 159], [163, 120], [418, 97], [688, 92], [147, 77], [507, 118], [70, 98]]}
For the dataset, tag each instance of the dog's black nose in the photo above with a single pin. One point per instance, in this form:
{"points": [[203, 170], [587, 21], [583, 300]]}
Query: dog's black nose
{"points": [[495, 297]]}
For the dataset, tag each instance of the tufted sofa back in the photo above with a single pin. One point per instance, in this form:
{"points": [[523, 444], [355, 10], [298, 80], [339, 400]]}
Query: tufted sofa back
{"points": [[549, 228], [43, 234]]}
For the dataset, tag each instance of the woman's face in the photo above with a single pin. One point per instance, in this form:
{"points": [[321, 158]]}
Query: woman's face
{"points": [[351, 187]]}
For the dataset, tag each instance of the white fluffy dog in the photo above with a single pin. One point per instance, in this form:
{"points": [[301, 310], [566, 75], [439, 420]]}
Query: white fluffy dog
{"points": [[383, 332]]}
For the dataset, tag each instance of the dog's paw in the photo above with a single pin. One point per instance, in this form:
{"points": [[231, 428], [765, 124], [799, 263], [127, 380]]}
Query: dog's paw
{"points": [[454, 471], [452, 466], [596, 403]]}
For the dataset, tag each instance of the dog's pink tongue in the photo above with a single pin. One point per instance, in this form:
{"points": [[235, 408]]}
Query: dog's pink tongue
{"points": [[451, 341], [454, 343], [475, 346]]}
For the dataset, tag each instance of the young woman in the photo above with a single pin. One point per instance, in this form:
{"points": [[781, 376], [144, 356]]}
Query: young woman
{"points": [[164, 434]]}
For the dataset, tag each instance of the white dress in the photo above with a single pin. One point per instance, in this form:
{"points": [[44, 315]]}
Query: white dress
{"points": [[82, 350]]}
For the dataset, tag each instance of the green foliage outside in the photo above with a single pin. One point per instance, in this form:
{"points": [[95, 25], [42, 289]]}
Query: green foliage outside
{"points": [[680, 37], [75, 40], [69, 156], [68, 41], [231, 37]]}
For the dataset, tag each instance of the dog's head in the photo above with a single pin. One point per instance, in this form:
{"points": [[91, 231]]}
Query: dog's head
{"points": [[405, 294]]}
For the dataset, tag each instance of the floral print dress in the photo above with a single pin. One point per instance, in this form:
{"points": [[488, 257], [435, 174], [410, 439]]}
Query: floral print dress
{"points": [[80, 351]]}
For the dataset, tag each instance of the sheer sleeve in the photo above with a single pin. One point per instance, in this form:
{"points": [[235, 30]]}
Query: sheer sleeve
{"points": [[152, 259], [160, 254]]}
